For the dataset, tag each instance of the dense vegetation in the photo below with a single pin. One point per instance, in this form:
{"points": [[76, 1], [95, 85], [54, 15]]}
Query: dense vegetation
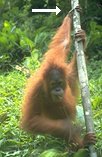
{"points": [[24, 37]]}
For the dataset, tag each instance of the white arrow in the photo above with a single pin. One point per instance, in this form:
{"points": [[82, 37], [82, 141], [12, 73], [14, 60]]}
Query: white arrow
{"points": [[57, 10]]}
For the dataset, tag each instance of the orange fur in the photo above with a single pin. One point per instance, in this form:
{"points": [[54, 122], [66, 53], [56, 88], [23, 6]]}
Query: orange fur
{"points": [[40, 115]]}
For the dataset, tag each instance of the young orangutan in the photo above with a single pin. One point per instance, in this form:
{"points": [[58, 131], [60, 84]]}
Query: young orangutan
{"points": [[49, 105]]}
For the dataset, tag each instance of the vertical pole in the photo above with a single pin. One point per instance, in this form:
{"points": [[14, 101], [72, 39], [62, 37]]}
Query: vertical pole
{"points": [[83, 78]]}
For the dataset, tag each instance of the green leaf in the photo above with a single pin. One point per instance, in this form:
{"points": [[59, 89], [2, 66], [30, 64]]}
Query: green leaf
{"points": [[3, 39], [50, 153], [81, 153], [24, 42]]}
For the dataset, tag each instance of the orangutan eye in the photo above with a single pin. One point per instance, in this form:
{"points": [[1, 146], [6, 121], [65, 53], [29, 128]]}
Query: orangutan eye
{"points": [[60, 82], [52, 84]]}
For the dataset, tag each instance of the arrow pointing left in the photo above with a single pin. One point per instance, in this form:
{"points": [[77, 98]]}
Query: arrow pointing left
{"points": [[57, 10]]}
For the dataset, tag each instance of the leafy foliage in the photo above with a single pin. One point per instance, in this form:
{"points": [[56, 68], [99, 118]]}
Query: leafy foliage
{"points": [[94, 41], [14, 44], [19, 37]]}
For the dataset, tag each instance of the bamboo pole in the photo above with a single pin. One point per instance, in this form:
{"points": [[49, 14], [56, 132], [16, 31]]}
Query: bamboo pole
{"points": [[83, 78]]}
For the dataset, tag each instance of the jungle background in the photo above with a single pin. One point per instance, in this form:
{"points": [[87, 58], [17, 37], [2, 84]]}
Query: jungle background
{"points": [[24, 37]]}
